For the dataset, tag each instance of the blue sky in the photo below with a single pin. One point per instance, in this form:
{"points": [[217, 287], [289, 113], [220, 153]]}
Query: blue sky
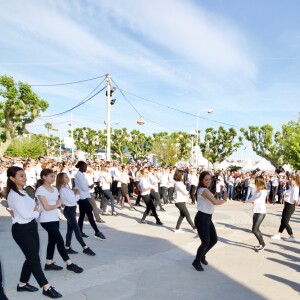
{"points": [[239, 57]]}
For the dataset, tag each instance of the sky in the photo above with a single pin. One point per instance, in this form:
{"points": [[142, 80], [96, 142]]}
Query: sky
{"points": [[240, 58]]}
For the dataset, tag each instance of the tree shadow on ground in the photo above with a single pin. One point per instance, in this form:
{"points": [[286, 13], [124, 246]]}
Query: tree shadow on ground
{"points": [[294, 285]]}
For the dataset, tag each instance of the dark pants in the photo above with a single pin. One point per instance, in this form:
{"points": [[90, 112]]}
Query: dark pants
{"points": [[55, 238], [2, 294], [207, 234], [114, 187], [184, 213], [138, 199], [287, 212], [156, 198], [170, 193], [27, 237], [192, 193], [257, 220], [149, 206], [164, 194], [85, 208], [107, 195], [274, 193], [70, 215]]}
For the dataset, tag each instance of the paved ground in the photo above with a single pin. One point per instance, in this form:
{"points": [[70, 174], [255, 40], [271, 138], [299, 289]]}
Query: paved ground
{"points": [[150, 262]]}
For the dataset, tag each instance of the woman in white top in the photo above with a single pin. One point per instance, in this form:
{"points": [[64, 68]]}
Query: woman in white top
{"points": [[69, 199], [291, 197], [49, 200], [203, 220], [145, 188], [124, 187], [181, 196], [25, 232], [258, 199]]}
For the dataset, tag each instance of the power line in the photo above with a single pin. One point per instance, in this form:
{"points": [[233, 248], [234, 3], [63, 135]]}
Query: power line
{"points": [[67, 83], [181, 111]]}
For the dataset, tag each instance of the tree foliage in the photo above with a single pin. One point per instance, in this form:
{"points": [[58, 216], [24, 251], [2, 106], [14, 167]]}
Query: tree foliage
{"points": [[19, 106], [165, 151], [182, 140], [120, 140], [219, 144], [266, 143]]}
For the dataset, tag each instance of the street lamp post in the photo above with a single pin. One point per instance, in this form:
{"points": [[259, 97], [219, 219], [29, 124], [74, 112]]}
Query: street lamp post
{"points": [[193, 133], [208, 110]]}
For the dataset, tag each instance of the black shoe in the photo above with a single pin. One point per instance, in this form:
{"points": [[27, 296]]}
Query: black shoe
{"points": [[27, 288], [71, 251], [2, 294], [159, 223], [204, 261], [197, 266], [52, 267], [100, 235], [74, 268], [84, 235], [52, 293], [89, 252]]}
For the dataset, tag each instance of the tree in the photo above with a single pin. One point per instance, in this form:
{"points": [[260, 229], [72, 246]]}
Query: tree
{"points": [[21, 106], [88, 140], [266, 143], [182, 140], [165, 151], [219, 144], [291, 143], [28, 146], [139, 144], [120, 140]]}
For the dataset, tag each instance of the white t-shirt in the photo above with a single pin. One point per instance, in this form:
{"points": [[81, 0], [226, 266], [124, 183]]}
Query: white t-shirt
{"points": [[106, 180], [292, 195], [259, 200], [51, 197], [203, 204]]}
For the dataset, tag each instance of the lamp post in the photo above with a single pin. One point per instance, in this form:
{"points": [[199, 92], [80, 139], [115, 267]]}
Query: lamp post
{"points": [[209, 111], [193, 133]]}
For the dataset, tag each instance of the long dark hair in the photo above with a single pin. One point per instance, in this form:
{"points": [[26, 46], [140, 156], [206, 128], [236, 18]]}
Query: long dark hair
{"points": [[44, 172], [10, 185], [201, 177]]}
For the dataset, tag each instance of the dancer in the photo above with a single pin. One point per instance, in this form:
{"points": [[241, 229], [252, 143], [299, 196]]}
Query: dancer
{"points": [[25, 232], [49, 200], [69, 199], [259, 209], [291, 197], [203, 220], [85, 207], [193, 181], [181, 196], [146, 187], [2, 294], [124, 188]]}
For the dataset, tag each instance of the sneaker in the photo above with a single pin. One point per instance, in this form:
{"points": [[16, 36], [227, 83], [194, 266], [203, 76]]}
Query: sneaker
{"points": [[261, 248], [143, 221], [257, 247], [197, 266], [74, 268], [105, 213], [89, 252], [71, 251], [290, 239], [84, 235], [159, 223], [114, 214], [100, 235], [204, 261], [52, 293], [178, 231], [26, 288], [276, 236], [52, 267]]}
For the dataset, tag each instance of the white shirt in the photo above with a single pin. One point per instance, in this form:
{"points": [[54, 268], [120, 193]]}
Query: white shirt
{"points": [[144, 183], [51, 197], [194, 179], [153, 181], [259, 200], [203, 204], [180, 192], [292, 195], [164, 180], [171, 180], [106, 181], [82, 184], [23, 207], [67, 196]]}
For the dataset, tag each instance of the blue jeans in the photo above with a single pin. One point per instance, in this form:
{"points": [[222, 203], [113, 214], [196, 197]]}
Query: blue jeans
{"points": [[249, 192], [229, 191]]}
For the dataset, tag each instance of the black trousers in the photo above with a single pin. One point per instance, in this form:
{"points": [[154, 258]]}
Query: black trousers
{"points": [[184, 213], [149, 206], [287, 212], [170, 193], [138, 199], [155, 198], [257, 220], [27, 237], [274, 193], [85, 208], [107, 195], [164, 194], [55, 239], [114, 187], [207, 234], [192, 193], [70, 215]]}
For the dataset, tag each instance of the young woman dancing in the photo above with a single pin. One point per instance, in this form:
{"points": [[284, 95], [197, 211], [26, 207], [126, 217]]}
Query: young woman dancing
{"points": [[25, 232], [49, 200], [69, 199], [259, 209], [291, 197], [203, 220]]}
